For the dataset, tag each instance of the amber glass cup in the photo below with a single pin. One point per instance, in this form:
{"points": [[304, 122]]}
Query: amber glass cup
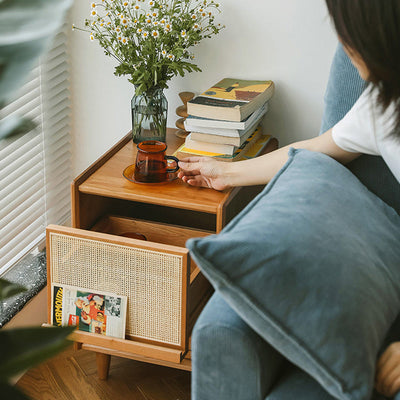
{"points": [[152, 163]]}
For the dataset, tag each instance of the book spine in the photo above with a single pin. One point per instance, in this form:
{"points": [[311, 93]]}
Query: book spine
{"points": [[191, 127], [213, 112], [244, 148], [209, 147], [210, 138]]}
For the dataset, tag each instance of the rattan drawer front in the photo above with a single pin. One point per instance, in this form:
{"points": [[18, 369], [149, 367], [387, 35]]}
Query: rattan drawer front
{"points": [[154, 278]]}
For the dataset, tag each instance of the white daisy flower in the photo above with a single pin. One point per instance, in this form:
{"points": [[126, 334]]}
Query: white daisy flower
{"points": [[145, 34], [155, 23], [168, 26], [196, 26], [151, 3], [171, 57], [124, 40], [139, 30], [154, 14], [148, 21], [91, 37], [125, 4], [163, 21], [155, 34], [93, 5], [124, 21], [183, 33], [164, 53], [93, 13], [193, 16], [137, 7]]}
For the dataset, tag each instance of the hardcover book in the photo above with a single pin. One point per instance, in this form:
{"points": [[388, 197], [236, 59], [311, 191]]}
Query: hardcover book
{"points": [[90, 311], [225, 128], [231, 99], [222, 139], [221, 148], [254, 145]]}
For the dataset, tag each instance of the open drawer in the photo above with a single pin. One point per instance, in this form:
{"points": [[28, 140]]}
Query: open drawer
{"points": [[165, 289]]}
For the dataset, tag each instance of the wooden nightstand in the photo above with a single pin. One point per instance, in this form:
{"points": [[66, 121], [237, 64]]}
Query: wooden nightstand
{"points": [[166, 290]]}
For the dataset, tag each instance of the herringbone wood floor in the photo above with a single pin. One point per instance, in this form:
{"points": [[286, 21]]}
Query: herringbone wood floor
{"points": [[72, 375]]}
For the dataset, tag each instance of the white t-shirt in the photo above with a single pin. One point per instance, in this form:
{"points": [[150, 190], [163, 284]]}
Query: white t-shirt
{"points": [[366, 129]]}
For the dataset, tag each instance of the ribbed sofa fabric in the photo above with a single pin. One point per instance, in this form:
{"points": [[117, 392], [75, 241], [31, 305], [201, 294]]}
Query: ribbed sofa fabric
{"points": [[312, 264]]}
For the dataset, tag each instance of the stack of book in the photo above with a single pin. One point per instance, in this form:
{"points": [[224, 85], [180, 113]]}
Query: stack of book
{"points": [[224, 121]]}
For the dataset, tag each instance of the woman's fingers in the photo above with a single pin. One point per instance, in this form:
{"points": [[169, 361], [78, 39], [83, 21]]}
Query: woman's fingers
{"points": [[190, 164], [196, 180], [181, 174], [389, 385], [387, 380]]}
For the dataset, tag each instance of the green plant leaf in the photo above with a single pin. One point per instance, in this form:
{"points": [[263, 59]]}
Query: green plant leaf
{"points": [[15, 125], [23, 348], [11, 393], [9, 289]]}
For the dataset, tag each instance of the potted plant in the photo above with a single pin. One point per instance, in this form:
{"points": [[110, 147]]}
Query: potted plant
{"points": [[150, 39]]}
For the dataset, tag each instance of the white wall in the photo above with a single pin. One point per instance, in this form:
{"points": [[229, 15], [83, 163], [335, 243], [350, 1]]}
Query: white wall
{"points": [[288, 41]]}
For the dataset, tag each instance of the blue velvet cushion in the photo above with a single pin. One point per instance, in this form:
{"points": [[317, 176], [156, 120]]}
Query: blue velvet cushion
{"points": [[313, 265]]}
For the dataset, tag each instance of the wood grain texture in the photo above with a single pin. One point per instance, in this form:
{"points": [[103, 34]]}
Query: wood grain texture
{"points": [[72, 375], [107, 180]]}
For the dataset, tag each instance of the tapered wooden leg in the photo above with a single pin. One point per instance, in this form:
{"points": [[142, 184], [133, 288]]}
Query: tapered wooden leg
{"points": [[103, 365]]}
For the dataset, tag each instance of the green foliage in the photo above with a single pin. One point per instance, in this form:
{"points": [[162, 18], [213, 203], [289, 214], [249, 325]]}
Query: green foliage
{"points": [[24, 348], [9, 289], [151, 39]]}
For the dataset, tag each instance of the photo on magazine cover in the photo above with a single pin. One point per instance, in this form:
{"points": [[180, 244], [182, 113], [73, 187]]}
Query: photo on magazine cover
{"points": [[90, 311]]}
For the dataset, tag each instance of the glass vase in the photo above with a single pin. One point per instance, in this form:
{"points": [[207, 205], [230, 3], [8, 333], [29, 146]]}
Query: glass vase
{"points": [[149, 116]]}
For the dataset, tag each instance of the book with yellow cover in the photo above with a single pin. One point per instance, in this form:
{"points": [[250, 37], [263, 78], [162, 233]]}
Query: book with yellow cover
{"points": [[231, 99], [253, 146]]}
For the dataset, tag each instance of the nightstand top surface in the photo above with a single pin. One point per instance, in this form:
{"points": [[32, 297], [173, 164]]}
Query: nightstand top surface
{"points": [[106, 179]]}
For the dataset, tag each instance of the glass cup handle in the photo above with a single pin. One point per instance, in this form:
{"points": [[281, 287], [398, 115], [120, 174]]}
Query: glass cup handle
{"points": [[176, 160]]}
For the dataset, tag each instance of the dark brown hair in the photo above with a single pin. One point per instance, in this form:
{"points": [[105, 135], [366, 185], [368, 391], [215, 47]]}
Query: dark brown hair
{"points": [[371, 28]]}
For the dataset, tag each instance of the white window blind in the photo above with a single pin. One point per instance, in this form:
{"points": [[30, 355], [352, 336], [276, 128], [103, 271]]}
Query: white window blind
{"points": [[35, 169]]}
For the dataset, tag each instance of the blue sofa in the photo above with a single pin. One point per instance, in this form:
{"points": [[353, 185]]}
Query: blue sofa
{"points": [[230, 360]]}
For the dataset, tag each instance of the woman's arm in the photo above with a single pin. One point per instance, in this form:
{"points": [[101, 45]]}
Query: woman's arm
{"points": [[200, 171]]}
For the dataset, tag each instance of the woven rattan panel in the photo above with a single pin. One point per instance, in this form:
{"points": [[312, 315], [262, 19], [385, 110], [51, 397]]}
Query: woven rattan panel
{"points": [[151, 280]]}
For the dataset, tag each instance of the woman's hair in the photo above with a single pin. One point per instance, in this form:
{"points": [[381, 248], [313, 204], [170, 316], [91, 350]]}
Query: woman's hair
{"points": [[371, 28]]}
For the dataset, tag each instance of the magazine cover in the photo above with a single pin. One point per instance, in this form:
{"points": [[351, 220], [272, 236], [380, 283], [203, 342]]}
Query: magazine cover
{"points": [[90, 311]]}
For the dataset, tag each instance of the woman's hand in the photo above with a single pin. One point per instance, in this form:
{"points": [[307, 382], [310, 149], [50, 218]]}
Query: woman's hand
{"points": [[219, 175], [204, 171], [387, 379]]}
